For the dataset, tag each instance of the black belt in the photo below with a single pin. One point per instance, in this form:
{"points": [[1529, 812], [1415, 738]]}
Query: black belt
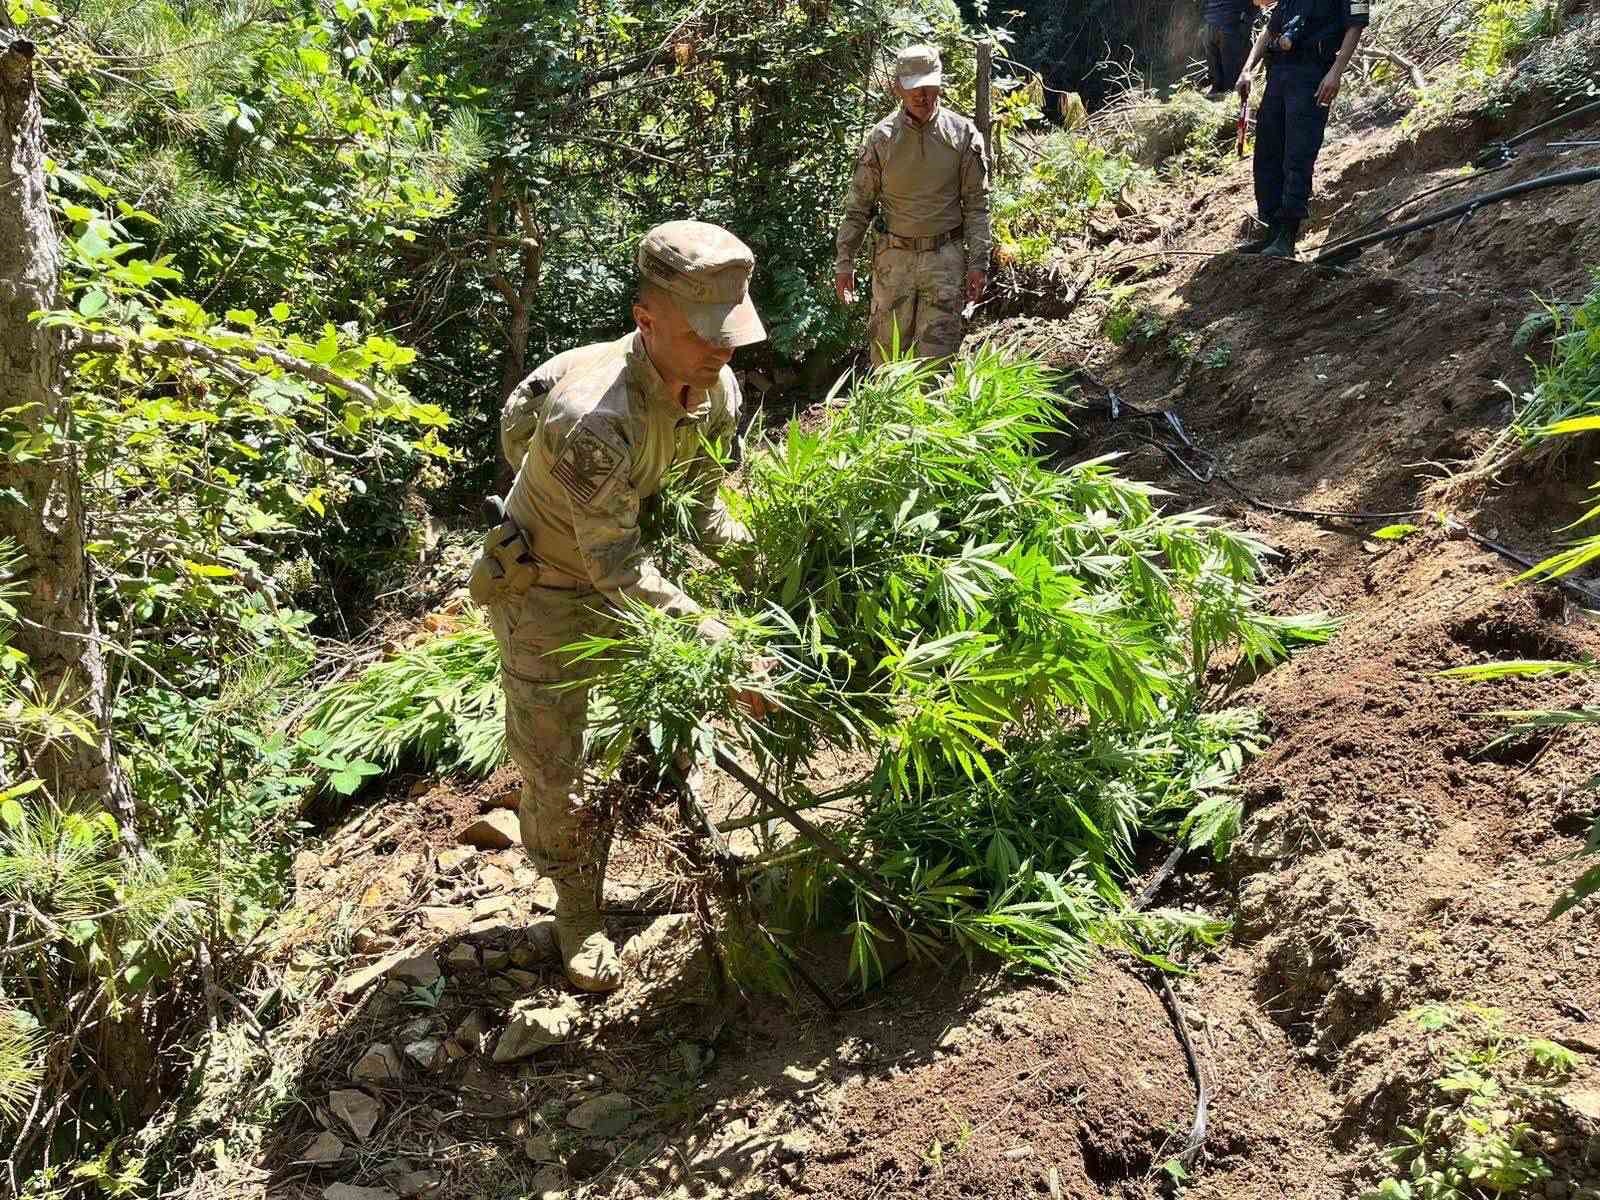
{"points": [[935, 242]]}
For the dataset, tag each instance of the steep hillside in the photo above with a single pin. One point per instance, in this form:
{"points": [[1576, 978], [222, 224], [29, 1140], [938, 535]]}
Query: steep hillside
{"points": [[1392, 857]]}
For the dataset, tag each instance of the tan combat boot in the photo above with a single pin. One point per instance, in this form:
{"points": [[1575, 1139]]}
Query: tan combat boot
{"points": [[588, 954]]}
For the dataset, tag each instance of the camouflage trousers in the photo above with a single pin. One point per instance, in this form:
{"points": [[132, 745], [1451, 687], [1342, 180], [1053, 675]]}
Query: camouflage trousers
{"points": [[546, 724], [920, 293]]}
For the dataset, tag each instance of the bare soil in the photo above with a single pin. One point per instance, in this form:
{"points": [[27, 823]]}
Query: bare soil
{"points": [[1392, 856]]}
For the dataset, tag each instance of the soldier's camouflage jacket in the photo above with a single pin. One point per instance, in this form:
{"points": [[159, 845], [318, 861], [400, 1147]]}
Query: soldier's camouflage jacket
{"points": [[608, 434]]}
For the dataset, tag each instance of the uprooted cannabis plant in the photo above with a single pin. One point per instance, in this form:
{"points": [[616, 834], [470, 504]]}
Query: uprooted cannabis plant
{"points": [[1023, 650]]}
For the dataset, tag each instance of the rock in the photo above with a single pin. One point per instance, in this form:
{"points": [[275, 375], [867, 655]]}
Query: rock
{"points": [[1584, 1103], [800, 1074], [445, 920], [604, 1115], [496, 879], [421, 971], [348, 1191], [456, 860], [470, 1032], [427, 1053], [369, 941], [544, 895], [532, 1028], [454, 1051], [324, 1150], [540, 945], [491, 906], [525, 980], [1017, 1153], [415, 1185], [357, 981], [462, 960], [497, 830], [541, 1147], [548, 1184], [357, 1110], [495, 959], [380, 1064]]}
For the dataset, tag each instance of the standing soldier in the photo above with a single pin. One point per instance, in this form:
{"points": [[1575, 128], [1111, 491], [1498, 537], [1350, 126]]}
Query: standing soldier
{"points": [[925, 166], [617, 417], [1226, 40], [1308, 44]]}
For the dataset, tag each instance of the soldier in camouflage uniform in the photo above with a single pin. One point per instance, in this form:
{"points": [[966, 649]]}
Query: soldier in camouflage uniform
{"points": [[616, 417], [925, 167]]}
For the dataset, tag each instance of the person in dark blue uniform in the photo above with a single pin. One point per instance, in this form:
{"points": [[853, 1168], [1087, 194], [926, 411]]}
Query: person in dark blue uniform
{"points": [[1226, 38], [1307, 45]]}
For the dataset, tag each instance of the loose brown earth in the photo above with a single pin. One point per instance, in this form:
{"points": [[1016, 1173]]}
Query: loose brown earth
{"points": [[1390, 858]]}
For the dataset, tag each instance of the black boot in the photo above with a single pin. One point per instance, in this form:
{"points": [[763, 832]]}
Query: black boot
{"points": [[1257, 244], [1283, 245]]}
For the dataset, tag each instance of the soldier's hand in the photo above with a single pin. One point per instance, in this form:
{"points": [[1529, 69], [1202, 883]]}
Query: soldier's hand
{"points": [[976, 281], [844, 286], [1328, 89], [1243, 87], [754, 702]]}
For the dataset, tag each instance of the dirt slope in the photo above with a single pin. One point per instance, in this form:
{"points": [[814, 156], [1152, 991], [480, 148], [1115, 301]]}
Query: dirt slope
{"points": [[1388, 859]]}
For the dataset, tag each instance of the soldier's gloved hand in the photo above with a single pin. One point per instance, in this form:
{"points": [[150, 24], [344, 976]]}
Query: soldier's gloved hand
{"points": [[844, 287], [976, 282], [1243, 87]]}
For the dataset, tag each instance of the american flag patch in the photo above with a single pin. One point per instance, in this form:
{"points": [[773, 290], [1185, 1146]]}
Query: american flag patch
{"points": [[586, 465]]}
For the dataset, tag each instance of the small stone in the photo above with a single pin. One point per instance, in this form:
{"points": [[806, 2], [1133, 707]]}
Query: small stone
{"points": [[541, 935], [446, 920], [369, 941], [1017, 1153], [800, 1075], [496, 879], [421, 971], [416, 1185], [543, 895], [1584, 1103], [356, 981], [357, 1110], [471, 1031], [427, 1053], [454, 1051], [549, 1184], [324, 1150], [456, 860], [348, 1191], [604, 1115], [495, 959], [532, 1028], [526, 980], [497, 830], [491, 906], [380, 1064], [462, 960], [541, 1148]]}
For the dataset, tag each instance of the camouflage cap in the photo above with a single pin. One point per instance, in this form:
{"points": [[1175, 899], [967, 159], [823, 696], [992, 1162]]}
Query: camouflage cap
{"points": [[918, 66], [707, 271]]}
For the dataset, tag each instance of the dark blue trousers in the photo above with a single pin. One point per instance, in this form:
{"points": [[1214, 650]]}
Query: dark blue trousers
{"points": [[1226, 49], [1289, 129]]}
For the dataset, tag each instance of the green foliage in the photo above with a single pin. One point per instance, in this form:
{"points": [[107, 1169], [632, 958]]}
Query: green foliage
{"points": [[438, 704], [1503, 28], [1073, 175], [1477, 1140], [1023, 649]]}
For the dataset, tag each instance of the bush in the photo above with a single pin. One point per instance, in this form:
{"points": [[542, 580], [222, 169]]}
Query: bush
{"points": [[1052, 200], [1023, 651]]}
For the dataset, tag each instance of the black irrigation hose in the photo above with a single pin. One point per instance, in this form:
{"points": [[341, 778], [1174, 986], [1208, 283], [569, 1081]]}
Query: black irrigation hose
{"points": [[1345, 251], [1516, 139], [1210, 476]]}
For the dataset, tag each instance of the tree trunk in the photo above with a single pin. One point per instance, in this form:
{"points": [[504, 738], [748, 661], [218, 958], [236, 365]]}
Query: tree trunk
{"points": [[57, 631]]}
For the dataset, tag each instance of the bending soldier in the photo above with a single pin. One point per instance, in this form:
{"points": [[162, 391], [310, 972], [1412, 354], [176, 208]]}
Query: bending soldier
{"points": [[925, 167], [1307, 44], [616, 418]]}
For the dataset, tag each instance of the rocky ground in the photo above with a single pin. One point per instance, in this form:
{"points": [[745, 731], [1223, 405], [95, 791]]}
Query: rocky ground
{"points": [[1392, 857]]}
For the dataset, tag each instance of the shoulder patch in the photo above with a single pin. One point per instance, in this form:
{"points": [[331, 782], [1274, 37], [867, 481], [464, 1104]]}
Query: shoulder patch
{"points": [[587, 464]]}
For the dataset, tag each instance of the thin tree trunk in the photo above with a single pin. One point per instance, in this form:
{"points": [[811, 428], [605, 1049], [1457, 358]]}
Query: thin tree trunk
{"points": [[58, 631]]}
